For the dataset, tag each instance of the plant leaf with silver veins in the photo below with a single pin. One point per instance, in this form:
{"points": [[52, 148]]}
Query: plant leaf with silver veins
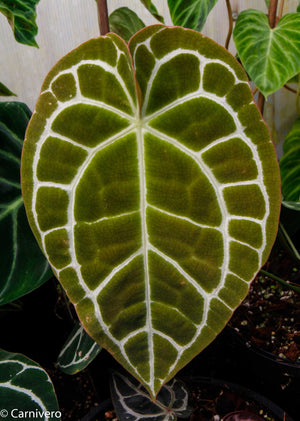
{"points": [[131, 400], [271, 57], [25, 386], [23, 266], [78, 351], [148, 177], [190, 14]]}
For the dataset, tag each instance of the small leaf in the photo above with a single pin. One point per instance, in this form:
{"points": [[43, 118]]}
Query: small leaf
{"points": [[4, 91], [152, 9], [290, 168], [270, 56], [21, 16], [131, 400], [78, 351], [190, 14], [125, 22], [23, 266], [25, 386]]}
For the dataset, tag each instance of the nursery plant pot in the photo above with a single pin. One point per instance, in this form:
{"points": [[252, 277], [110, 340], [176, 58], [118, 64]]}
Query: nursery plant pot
{"points": [[266, 363], [267, 322], [216, 399], [98, 412]]}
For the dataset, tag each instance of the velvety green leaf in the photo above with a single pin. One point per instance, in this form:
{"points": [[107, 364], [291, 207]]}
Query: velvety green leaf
{"points": [[21, 16], [152, 9], [155, 211], [125, 23], [4, 91], [78, 351], [290, 168], [298, 8], [23, 266], [131, 400], [270, 56], [25, 386], [190, 14]]}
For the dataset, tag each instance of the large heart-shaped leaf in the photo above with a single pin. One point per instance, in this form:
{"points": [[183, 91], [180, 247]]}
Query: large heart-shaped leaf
{"points": [[270, 56], [21, 16], [23, 266], [148, 187], [190, 14], [25, 386], [131, 400], [290, 168]]}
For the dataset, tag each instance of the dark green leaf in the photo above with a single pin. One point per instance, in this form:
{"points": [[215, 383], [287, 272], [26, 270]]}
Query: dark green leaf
{"points": [[290, 168], [78, 351], [4, 91], [21, 16], [270, 56], [23, 266], [190, 13], [125, 23], [287, 242], [152, 9], [131, 400], [25, 386]]}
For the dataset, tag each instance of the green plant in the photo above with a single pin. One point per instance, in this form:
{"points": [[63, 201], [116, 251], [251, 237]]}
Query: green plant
{"points": [[154, 218]]}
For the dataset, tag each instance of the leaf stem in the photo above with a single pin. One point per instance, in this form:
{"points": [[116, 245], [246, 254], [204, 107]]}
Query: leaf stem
{"points": [[103, 17], [230, 21], [282, 281], [272, 13], [272, 22], [290, 89], [280, 12], [260, 102], [298, 96]]}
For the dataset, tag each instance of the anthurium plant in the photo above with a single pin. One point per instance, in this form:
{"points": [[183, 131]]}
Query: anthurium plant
{"points": [[152, 187], [162, 198]]}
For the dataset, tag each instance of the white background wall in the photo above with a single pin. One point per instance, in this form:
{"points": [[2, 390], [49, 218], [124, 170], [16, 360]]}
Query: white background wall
{"points": [[64, 24]]}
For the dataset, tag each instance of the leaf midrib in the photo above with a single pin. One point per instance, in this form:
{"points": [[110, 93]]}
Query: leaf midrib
{"points": [[143, 207]]}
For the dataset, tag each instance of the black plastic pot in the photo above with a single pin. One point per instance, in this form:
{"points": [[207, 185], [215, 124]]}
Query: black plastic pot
{"points": [[266, 363], [266, 405], [243, 393], [98, 412]]}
